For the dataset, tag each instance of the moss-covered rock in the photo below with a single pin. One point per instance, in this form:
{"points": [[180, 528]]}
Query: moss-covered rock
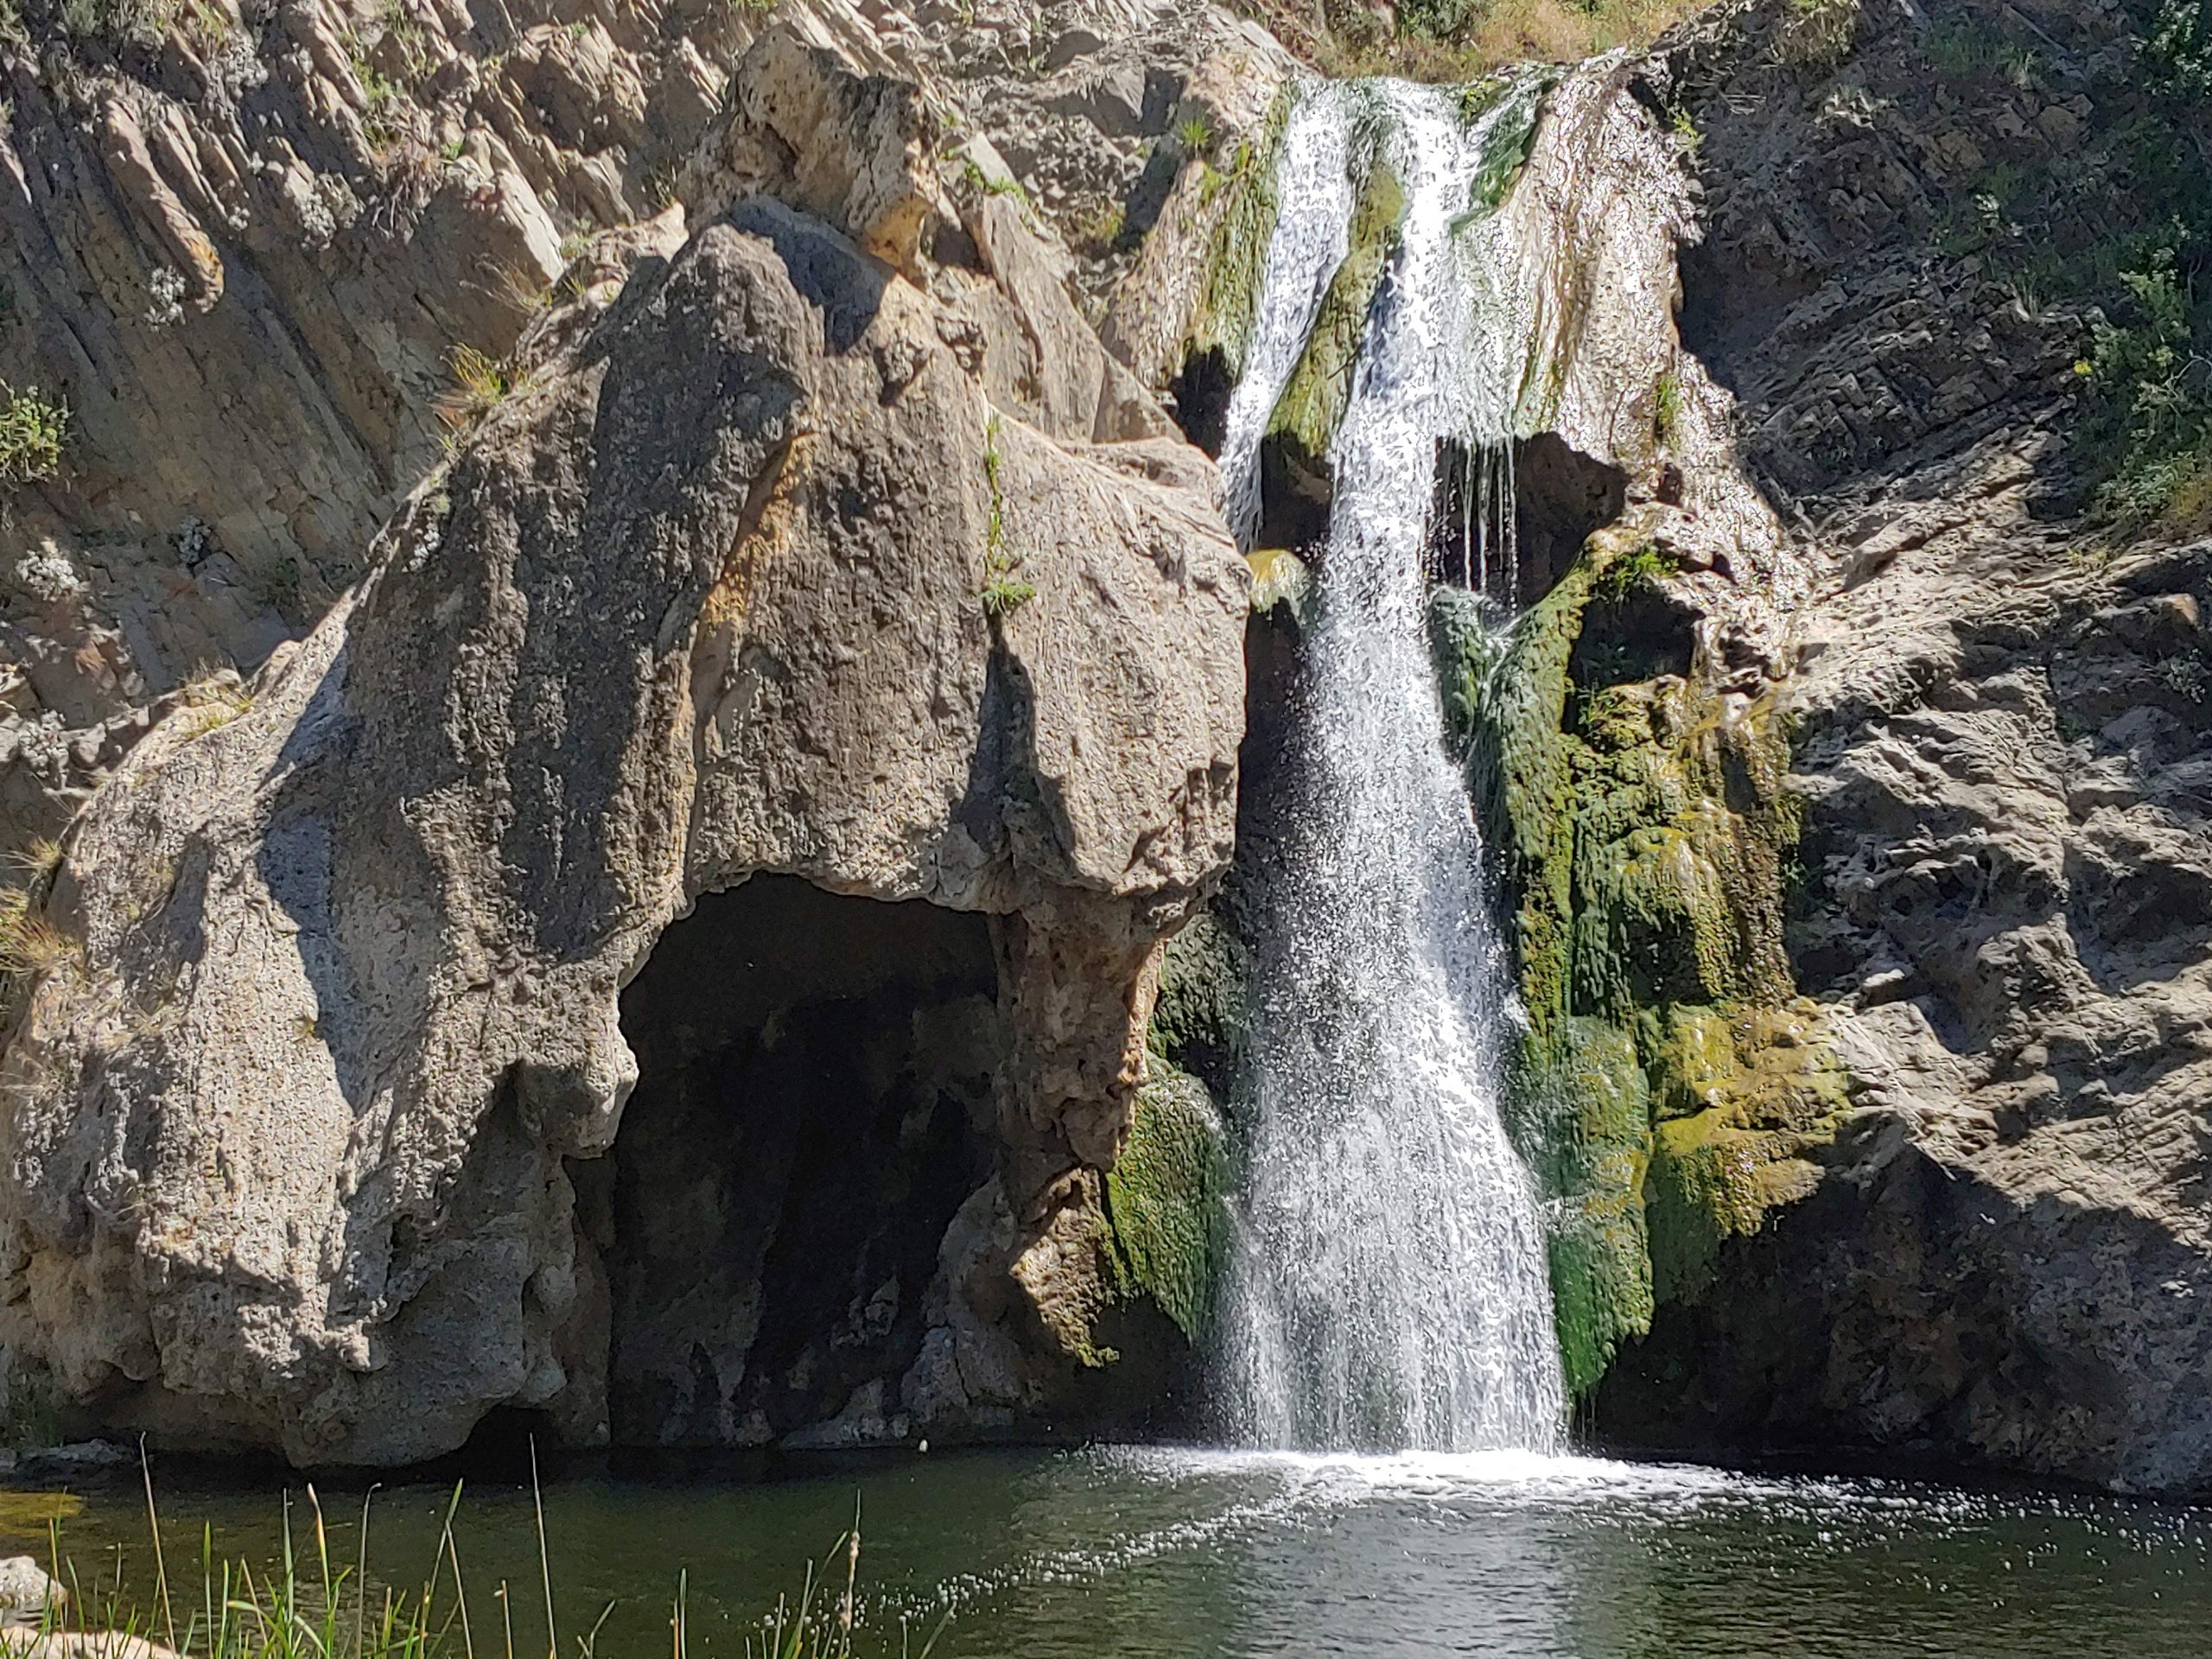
{"points": [[1228, 305], [1294, 453], [1198, 1019], [1671, 1080], [1166, 1200], [1590, 1107]]}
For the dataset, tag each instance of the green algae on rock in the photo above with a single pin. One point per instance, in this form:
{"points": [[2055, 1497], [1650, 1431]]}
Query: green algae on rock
{"points": [[1293, 452], [1222, 324], [1669, 1079], [1165, 1200]]}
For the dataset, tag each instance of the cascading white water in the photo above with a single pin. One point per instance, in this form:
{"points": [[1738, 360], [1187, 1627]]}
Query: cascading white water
{"points": [[1313, 183], [1388, 1287]]}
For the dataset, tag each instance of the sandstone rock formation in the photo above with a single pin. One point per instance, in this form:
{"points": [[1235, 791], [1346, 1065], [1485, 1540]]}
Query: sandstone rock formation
{"points": [[774, 559]]}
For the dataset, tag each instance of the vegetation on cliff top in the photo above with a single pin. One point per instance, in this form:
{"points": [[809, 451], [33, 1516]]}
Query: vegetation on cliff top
{"points": [[1459, 39], [2091, 202]]}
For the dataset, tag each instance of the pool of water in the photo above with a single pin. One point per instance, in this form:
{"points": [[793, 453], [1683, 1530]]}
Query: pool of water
{"points": [[1127, 1552]]}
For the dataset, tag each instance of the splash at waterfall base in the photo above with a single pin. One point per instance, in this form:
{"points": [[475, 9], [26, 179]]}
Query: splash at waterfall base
{"points": [[1611, 597]]}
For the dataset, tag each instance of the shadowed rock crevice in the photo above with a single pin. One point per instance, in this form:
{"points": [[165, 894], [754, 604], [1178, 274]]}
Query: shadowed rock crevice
{"points": [[1509, 526], [813, 1105]]}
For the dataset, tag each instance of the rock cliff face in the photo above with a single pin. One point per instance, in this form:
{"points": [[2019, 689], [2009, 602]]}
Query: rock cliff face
{"points": [[1996, 738], [828, 543], [247, 249]]}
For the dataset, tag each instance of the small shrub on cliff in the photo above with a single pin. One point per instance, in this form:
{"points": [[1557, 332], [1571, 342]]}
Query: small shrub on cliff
{"points": [[29, 944], [1004, 591], [1666, 407], [481, 384], [33, 428], [120, 22], [39, 859], [211, 701], [1821, 33]]}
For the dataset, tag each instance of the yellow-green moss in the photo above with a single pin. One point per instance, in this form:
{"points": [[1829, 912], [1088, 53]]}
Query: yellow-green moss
{"points": [[1237, 264], [1281, 577], [1641, 828], [1165, 1200]]}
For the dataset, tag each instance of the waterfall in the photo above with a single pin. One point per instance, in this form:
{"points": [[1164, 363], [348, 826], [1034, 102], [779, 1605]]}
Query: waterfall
{"points": [[1389, 1286]]}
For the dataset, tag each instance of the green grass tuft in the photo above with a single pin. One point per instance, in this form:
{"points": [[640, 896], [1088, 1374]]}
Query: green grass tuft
{"points": [[33, 428]]}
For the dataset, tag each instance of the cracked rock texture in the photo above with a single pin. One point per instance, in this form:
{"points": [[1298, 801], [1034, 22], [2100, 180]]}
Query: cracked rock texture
{"points": [[2000, 745], [299, 1101]]}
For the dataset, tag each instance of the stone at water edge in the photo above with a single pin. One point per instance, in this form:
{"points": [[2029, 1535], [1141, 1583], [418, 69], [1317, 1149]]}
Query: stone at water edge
{"points": [[28, 1593]]}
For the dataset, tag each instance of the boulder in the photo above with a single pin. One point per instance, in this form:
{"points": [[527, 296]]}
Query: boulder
{"points": [[749, 573]]}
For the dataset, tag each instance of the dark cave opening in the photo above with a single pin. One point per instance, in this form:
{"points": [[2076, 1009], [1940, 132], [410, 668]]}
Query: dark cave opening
{"points": [[1558, 496], [813, 1105]]}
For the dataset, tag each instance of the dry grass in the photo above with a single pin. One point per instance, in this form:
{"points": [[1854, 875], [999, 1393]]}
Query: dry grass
{"points": [[212, 699], [1505, 32], [40, 859], [1563, 31], [29, 944], [1820, 34], [2187, 511], [481, 384]]}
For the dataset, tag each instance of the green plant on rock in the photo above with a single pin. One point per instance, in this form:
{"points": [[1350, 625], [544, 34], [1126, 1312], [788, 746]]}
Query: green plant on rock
{"points": [[1666, 409], [481, 383], [1641, 565], [1196, 135], [987, 184], [1101, 227], [33, 428], [1961, 47], [1004, 590]]}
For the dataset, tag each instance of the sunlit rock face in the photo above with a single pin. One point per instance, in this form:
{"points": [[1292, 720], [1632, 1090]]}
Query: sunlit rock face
{"points": [[764, 566], [2002, 890]]}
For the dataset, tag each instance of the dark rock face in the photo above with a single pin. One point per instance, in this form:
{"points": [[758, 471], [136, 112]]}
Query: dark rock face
{"points": [[2006, 853], [813, 1106]]}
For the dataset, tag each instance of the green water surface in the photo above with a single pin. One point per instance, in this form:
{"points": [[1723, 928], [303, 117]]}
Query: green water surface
{"points": [[1111, 1554]]}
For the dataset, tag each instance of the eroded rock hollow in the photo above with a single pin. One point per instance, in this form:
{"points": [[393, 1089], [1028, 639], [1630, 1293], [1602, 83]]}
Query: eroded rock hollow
{"points": [[828, 552]]}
